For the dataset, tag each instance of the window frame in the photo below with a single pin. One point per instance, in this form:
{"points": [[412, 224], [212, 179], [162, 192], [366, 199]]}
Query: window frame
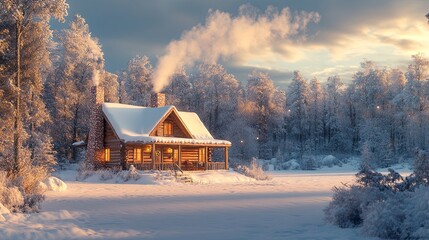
{"points": [[107, 154], [137, 156], [168, 131]]}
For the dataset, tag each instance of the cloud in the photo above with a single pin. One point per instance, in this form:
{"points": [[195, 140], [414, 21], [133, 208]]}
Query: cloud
{"points": [[386, 31], [405, 44]]}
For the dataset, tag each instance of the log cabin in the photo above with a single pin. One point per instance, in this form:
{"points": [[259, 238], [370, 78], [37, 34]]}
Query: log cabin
{"points": [[158, 137]]}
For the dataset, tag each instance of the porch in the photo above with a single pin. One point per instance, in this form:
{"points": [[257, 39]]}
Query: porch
{"points": [[187, 157], [185, 167]]}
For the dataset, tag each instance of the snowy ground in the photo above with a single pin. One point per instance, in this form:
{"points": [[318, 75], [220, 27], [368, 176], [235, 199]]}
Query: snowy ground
{"points": [[221, 205]]}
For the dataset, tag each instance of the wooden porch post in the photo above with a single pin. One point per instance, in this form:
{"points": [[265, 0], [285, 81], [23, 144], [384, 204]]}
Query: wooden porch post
{"points": [[226, 158], [180, 156], [153, 156], [162, 159], [206, 153]]}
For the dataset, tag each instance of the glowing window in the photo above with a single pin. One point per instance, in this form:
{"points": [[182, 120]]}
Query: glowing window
{"points": [[107, 154], [147, 149], [202, 154], [168, 129], [137, 154]]}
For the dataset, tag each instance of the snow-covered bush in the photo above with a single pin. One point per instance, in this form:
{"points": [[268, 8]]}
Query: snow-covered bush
{"points": [[10, 196], [291, 165], [384, 219], [349, 205], [421, 167], [330, 161], [106, 175], [386, 206], [131, 174], [254, 170], [55, 184], [405, 215], [308, 163], [416, 210], [84, 170]]}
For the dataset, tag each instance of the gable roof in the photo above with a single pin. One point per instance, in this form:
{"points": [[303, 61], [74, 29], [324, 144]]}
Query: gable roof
{"points": [[135, 123]]}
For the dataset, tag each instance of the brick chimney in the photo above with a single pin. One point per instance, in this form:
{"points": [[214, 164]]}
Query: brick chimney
{"points": [[157, 100], [94, 152]]}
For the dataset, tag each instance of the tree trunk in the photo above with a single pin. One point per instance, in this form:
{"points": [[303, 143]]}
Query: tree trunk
{"points": [[17, 124]]}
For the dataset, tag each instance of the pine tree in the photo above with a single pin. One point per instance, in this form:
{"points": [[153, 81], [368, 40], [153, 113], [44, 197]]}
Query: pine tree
{"points": [[334, 132], [315, 111], [297, 104]]}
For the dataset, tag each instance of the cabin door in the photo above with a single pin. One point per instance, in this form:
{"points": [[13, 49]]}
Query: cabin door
{"points": [[158, 159], [176, 156]]}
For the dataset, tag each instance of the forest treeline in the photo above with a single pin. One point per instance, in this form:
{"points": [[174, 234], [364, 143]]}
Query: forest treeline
{"points": [[381, 112]]}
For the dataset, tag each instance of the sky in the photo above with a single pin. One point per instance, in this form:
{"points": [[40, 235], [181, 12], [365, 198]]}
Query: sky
{"points": [[346, 33]]}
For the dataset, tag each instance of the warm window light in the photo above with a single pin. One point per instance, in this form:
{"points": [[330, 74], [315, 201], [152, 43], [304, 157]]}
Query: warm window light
{"points": [[137, 154], [107, 154], [168, 150], [147, 149], [168, 129]]}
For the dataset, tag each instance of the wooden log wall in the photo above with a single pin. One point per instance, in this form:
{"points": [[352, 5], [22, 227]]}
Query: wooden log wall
{"points": [[177, 131], [190, 154], [112, 142], [129, 154]]}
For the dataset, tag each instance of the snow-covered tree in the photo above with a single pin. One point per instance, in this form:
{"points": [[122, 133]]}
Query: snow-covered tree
{"points": [[25, 30], [122, 91], [315, 112], [111, 87], [138, 84], [415, 97], [268, 104], [179, 91], [25, 42], [371, 97], [297, 110], [334, 134], [400, 116], [78, 58], [215, 97]]}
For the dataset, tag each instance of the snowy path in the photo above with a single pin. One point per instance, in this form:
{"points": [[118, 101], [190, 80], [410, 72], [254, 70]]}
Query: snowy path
{"points": [[288, 207]]}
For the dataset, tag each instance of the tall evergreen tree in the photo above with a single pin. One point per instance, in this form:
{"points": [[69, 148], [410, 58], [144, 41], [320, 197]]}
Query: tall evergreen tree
{"points": [[297, 105]]}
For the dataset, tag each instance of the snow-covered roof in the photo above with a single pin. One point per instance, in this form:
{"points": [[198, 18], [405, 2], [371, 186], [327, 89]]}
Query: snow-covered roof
{"points": [[135, 123]]}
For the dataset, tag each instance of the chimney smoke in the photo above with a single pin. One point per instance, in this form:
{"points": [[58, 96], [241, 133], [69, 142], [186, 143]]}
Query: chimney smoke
{"points": [[225, 36]]}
